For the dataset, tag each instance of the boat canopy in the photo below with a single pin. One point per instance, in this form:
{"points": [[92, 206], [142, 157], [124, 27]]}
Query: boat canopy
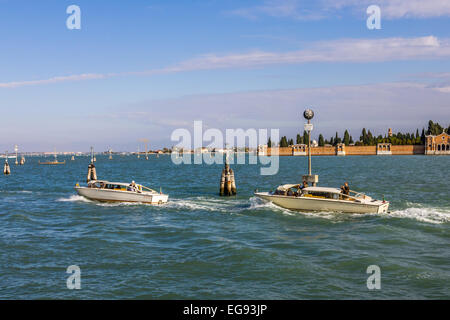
{"points": [[286, 187], [322, 189], [120, 184], [109, 182]]}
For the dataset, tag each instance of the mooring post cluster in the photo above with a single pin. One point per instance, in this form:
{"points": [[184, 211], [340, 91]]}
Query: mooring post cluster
{"points": [[6, 168], [227, 182], [92, 173]]}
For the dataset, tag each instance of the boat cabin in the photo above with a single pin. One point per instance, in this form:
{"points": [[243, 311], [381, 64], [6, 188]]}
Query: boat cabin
{"points": [[116, 186], [319, 193]]}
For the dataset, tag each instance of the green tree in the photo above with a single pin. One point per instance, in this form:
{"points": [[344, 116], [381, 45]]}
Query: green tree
{"points": [[321, 140], [434, 128], [363, 137], [346, 138], [269, 143], [422, 136], [283, 142], [351, 140], [305, 137], [299, 139]]}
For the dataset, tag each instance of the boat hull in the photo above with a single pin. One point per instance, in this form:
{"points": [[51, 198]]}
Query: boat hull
{"points": [[312, 204], [106, 195]]}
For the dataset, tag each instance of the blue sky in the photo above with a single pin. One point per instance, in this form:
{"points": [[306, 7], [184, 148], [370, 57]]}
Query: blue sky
{"points": [[140, 69]]}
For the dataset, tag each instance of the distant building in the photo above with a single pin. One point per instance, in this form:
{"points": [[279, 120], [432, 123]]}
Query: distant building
{"points": [[384, 149], [390, 132], [340, 149], [299, 149], [439, 144]]}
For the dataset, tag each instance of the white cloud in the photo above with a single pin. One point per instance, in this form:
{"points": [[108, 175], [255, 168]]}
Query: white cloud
{"points": [[344, 50], [302, 10], [402, 106], [77, 77], [295, 9]]}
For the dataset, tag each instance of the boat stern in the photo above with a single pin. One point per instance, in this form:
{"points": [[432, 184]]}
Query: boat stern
{"points": [[383, 208]]}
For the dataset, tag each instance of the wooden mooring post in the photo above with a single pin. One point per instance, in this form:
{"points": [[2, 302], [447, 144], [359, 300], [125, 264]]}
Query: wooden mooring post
{"points": [[227, 182]]}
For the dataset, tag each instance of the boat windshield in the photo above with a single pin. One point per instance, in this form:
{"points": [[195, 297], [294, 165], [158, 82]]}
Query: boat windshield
{"points": [[322, 195]]}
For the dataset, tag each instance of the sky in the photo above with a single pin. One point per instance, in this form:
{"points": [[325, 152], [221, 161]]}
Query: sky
{"points": [[142, 69]]}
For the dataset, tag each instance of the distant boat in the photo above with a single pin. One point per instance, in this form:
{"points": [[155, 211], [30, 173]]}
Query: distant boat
{"points": [[53, 162]]}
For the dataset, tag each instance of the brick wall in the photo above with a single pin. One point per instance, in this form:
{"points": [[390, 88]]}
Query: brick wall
{"points": [[408, 149], [323, 151], [360, 150], [354, 150]]}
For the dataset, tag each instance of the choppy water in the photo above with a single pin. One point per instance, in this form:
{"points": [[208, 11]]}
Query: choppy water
{"points": [[202, 246]]}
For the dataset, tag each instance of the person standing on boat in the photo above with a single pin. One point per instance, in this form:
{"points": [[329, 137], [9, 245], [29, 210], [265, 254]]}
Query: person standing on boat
{"points": [[345, 189], [300, 188]]}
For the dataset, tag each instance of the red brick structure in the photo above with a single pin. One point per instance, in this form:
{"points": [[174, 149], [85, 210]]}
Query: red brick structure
{"points": [[439, 144], [353, 150]]}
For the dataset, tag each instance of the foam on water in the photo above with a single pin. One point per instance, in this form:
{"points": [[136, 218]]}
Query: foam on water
{"points": [[420, 213], [205, 204], [74, 198], [430, 215]]}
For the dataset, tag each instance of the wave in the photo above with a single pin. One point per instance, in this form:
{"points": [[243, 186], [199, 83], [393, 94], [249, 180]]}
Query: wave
{"points": [[423, 214], [205, 204], [419, 212], [74, 198]]}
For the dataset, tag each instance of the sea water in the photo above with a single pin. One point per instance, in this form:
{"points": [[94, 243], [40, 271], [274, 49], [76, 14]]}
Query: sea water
{"points": [[203, 246]]}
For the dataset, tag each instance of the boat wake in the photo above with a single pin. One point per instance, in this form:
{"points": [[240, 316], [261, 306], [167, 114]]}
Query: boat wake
{"points": [[417, 212], [74, 198], [423, 214], [204, 204], [430, 215]]}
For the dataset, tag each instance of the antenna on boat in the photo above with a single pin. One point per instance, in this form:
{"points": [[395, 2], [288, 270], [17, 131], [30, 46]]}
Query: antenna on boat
{"points": [[308, 114]]}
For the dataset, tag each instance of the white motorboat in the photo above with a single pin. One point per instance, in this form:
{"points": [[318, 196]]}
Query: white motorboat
{"points": [[291, 197], [309, 197], [101, 190]]}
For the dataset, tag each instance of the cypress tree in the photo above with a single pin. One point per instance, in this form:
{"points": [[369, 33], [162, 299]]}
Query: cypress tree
{"points": [[321, 140], [305, 137], [346, 138]]}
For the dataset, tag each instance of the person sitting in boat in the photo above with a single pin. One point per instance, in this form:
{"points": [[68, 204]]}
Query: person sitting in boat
{"points": [[132, 186]]}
